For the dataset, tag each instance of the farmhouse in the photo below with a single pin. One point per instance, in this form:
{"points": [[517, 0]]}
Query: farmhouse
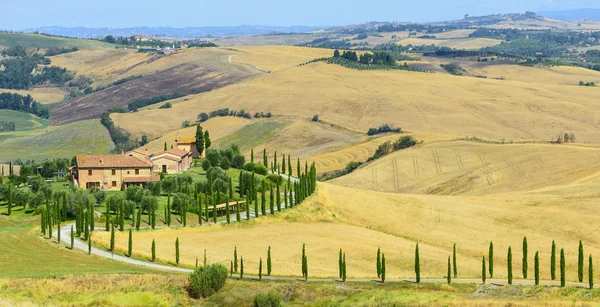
{"points": [[187, 144], [111, 172], [173, 161]]}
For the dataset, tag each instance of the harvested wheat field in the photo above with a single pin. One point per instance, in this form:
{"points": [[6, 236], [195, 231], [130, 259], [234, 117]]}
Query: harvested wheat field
{"points": [[44, 95], [420, 102], [457, 43], [565, 75], [280, 57]]}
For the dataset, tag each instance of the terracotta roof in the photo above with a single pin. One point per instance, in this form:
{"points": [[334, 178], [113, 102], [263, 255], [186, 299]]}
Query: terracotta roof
{"points": [[110, 161], [141, 179], [141, 152], [186, 141]]}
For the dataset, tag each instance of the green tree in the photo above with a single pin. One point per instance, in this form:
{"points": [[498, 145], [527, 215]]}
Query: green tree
{"points": [[580, 262], [344, 268], [207, 142], [165, 148], [455, 270], [90, 244], [199, 140], [278, 198], [260, 270], [72, 237], [252, 155], [265, 158], [491, 259], [378, 262], [524, 266], [483, 270], [591, 273], [207, 280], [10, 198], [177, 251], [271, 199], [227, 210], [563, 277], [382, 268], [417, 264], [153, 251], [130, 244], [235, 260], [340, 265], [536, 268], [112, 238], [449, 276], [553, 261], [509, 265], [269, 262], [263, 199]]}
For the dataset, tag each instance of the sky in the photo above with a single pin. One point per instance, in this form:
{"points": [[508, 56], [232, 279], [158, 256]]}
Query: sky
{"points": [[19, 15]]}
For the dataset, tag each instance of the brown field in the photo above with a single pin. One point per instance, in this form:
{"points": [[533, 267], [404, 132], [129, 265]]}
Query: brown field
{"points": [[274, 59], [545, 24], [464, 33], [264, 40], [44, 95], [565, 75], [420, 102], [458, 43]]}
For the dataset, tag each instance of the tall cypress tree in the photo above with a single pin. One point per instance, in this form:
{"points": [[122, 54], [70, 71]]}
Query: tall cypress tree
{"points": [[10, 199], [247, 206], [90, 244], [241, 267], [378, 262], [455, 270], [230, 188], [235, 260], [237, 212], [344, 268], [536, 267], [265, 159], [153, 251], [263, 199], [591, 273], [491, 259], [252, 155], [199, 140], [298, 173], [260, 270], [580, 262], [199, 209], [112, 238], [382, 268], [269, 262], [449, 276], [227, 210], [72, 237], [524, 265], [289, 166], [271, 199], [107, 216], [130, 244], [91, 212], [283, 169], [553, 261], [138, 220], [340, 265], [563, 277], [303, 260], [215, 208], [275, 162], [177, 251], [483, 270], [417, 264], [509, 265], [278, 198]]}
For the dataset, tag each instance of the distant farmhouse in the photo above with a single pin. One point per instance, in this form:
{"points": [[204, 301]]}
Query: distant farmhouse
{"points": [[187, 144]]}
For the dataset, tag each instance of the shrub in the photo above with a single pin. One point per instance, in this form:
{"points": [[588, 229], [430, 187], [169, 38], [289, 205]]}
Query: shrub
{"points": [[202, 117], [207, 280], [225, 163], [238, 161], [275, 178], [206, 165], [315, 118], [270, 299], [167, 105], [214, 157], [256, 168]]}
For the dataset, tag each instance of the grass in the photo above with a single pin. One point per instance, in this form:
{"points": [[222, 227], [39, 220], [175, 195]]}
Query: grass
{"points": [[54, 142], [41, 41], [23, 121], [274, 59], [565, 75]]}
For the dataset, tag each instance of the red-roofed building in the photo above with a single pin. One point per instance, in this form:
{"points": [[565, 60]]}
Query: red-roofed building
{"points": [[111, 172], [187, 144], [172, 161]]}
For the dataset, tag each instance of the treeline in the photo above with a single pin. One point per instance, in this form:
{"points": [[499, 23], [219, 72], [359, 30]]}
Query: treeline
{"points": [[52, 51], [16, 102], [21, 71], [385, 128], [140, 103], [547, 36], [120, 137], [375, 58], [202, 117]]}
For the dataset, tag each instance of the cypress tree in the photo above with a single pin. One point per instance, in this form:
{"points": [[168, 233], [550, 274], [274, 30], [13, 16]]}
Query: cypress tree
{"points": [[536, 268], [252, 155], [382, 268], [112, 239], [417, 264], [269, 262], [509, 265], [235, 259], [275, 167], [241, 267], [524, 266], [230, 188], [260, 270], [107, 215], [553, 261], [199, 210], [283, 169], [580, 262], [344, 268], [86, 230], [50, 225], [271, 199], [165, 148], [278, 198], [138, 221], [285, 196], [241, 184], [340, 265], [378, 262], [215, 208], [483, 270], [90, 244], [263, 200], [563, 277], [237, 211], [247, 205], [91, 211], [303, 260], [10, 199], [265, 159], [227, 210], [591, 273], [206, 203], [43, 222], [455, 270], [491, 259], [298, 168], [449, 277], [72, 237], [58, 230], [153, 251], [205, 257], [289, 166], [305, 268], [177, 251], [130, 244]]}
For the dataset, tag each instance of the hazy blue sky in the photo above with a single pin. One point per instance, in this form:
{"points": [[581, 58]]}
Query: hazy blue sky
{"points": [[21, 14]]}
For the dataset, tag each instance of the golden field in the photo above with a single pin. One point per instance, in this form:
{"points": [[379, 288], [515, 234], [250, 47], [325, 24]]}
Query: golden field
{"points": [[458, 43], [565, 75], [44, 95], [282, 57]]}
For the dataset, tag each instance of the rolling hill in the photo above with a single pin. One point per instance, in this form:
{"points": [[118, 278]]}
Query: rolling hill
{"points": [[8, 40]]}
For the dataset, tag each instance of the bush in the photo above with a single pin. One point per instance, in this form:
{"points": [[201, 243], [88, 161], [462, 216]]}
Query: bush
{"points": [[275, 178], [256, 168], [202, 117], [225, 163], [315, 118], [214, 157], [269, 299], [383, 129], [238, 161], [167, 105], [206, 165], [207, 280]]}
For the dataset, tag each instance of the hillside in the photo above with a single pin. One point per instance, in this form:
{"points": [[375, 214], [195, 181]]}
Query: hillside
{"points": [[8, 40], [44, 95]]}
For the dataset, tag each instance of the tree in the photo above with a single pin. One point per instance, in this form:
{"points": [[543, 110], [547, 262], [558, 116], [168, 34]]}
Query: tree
{"points": [[265, 158], [304, 265], [235, 260], [382, 268], [177, 251], [580, 262], [252, 155], [207, 280], [130, 244], [207, 142], [536, 268], [112, 239], [344, 268], [227, 210], [165, 148], [553, 261], [449, 277], [153, 251], [241, 267], [509, 265], [336, 54], [524, 266], [417, 264], [378, 262], [491, 259], [340, 265], [260, 270], [591, 273], [563, 277], [199, 140], [90, 244], [455, 270], [72, 237], [483, 270], [269, 262], [10, 198]]}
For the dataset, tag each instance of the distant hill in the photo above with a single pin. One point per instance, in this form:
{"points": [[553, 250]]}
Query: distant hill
{"points": [[188, 32], [572, 15]]}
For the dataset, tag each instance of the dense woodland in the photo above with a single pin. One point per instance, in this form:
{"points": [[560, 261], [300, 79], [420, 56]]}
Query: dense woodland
{"points": [[21, 70], [16, 102]]}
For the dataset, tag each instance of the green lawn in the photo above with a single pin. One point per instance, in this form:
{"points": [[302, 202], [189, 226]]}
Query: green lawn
{"points": [[23, 121], [42, 41]]}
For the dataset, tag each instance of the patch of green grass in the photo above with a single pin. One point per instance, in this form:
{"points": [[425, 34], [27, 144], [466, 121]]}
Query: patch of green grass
{"points": [[23, 121], [251, 136], [62, 142], [42, 41]]}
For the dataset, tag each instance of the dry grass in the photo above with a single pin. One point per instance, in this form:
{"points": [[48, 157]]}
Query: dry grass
{"points": [[558, 75], [464, 33], [45, 95], [433, 103], [280, 57], [458, 43]]}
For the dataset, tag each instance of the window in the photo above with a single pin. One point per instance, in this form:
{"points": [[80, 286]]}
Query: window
{"points": [[114, 172], [164, 169], [89, 172], [114, 184], [137, 171]]}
